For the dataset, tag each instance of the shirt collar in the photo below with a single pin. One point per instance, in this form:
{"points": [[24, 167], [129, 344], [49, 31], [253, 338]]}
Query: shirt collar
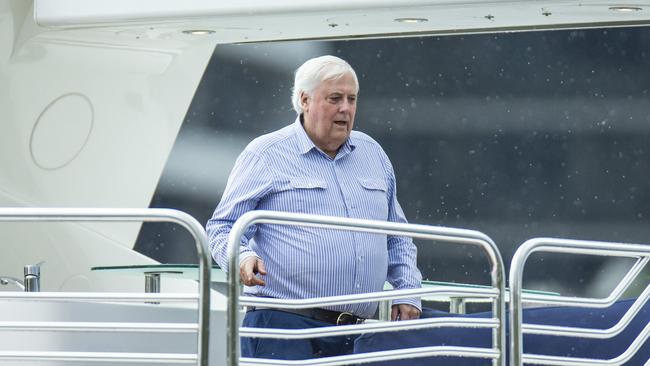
{"points": [[305, 144]]}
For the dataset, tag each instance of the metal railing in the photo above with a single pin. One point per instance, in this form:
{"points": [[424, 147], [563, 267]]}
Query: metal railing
{"points": [[607, 301], [116, 215], [517, 328], [450, 235]]}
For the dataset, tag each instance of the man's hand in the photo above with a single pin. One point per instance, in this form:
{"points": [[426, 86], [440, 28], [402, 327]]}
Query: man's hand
{"points": [[249, 268], [404, 312]]}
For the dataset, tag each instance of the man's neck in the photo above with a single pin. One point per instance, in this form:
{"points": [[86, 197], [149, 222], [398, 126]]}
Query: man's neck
{"points": [[330, 153]]}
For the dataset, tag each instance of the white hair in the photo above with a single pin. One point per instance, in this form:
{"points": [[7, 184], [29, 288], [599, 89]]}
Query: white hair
{"points": [[316, 70]]}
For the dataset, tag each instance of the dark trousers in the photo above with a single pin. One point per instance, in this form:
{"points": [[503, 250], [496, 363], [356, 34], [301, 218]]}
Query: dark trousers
{"points": [[294, 349]]}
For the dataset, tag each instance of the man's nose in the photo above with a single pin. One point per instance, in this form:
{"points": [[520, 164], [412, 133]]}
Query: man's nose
{"points": [[345, 106]]}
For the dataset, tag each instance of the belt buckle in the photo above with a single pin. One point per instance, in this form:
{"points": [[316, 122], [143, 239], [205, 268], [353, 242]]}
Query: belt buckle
{"points": [[344, 318]]}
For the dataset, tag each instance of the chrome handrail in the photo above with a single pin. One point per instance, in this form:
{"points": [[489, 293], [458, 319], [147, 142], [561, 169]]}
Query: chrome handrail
{"points": [[383, 356], [23, 214], [497, 353], [376, 327], [586, 247], [616, 293], [613, 331], [97, 297], [147, 327], [121, 357], [365, 297], [570, 361]]}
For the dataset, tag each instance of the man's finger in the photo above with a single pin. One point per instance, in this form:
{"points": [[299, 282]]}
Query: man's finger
{"points": [[394, 312], [405, 312], [409, 312], [256, 281], [260, 267], [246, 275]]}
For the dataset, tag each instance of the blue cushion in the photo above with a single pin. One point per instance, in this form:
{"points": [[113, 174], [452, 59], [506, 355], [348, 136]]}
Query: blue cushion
{"points": [[535, 344]]}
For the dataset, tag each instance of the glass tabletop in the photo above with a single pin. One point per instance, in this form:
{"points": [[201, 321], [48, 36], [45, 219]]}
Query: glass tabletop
{"points": [[185, 271], [191, 271]]}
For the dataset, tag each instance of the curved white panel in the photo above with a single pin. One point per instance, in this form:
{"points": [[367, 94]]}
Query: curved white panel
{"points": [[84, 123]]}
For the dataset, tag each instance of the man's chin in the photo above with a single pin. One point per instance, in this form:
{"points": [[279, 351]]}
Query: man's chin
{"points": [[340, 138]]}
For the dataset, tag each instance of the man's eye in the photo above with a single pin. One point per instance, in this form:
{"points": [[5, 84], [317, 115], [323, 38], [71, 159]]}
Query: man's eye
{"points": [[335, 99]]}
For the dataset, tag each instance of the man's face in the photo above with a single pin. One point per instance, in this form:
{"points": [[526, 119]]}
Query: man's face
{"points": [[329, 113]]}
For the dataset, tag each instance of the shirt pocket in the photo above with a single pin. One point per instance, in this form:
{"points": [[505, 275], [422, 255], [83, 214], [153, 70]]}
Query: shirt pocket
{"points": [[309, 195], [372, 202], [299, 194]]}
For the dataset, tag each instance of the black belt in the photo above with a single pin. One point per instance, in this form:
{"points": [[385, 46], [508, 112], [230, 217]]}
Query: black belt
{"points": [[328, 316]]}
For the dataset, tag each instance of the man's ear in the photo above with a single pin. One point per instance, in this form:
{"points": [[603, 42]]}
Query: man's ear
{"points": [[304, 100]]}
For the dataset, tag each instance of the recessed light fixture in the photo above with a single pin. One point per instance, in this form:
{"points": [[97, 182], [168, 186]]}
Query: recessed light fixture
{"points": [[198, 32], [625, 9], [411, 20]]}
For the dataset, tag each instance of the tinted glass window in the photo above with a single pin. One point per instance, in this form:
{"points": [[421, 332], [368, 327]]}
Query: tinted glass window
{"points": [[516, 135]]}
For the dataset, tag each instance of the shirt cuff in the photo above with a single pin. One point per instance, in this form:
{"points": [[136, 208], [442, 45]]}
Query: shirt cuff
{"points": [[245, 255], [411, 301]]}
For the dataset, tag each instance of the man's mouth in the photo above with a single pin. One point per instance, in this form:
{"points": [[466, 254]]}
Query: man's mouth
{"points": [[341, 123]]}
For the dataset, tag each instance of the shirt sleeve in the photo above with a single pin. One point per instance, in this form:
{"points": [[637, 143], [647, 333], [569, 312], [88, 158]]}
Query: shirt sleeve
{"points": [[249, 181], [403, 272]]}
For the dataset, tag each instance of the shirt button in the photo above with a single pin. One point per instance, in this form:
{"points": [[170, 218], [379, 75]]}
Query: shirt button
{"points": [[359, 258], [358, 285]]}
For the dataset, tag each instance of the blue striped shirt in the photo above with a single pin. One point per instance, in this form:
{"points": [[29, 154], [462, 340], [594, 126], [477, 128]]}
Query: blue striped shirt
{"points": [[285, 171]]}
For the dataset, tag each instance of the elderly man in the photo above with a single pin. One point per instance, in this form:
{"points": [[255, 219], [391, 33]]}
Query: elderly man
{"points": [[316, 165]]}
